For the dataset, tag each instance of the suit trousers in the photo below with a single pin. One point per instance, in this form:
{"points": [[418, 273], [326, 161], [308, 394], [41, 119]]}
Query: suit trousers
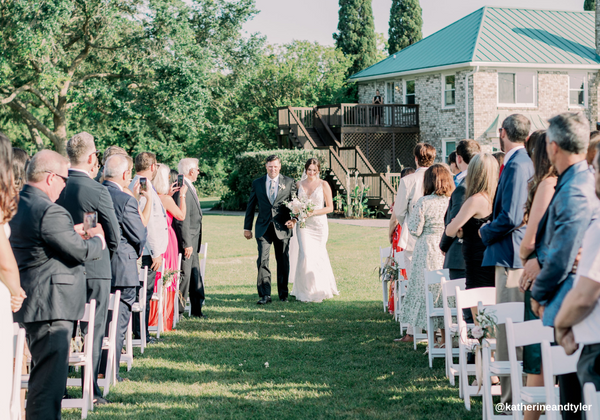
{"points": [[128, 295], [507, 290], [282, 256], [192, 283], [49, 343], [146, 262], [98, 289]]}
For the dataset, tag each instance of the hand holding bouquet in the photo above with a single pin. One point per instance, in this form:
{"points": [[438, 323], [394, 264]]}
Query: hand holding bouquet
{"points": [[300, 209]]}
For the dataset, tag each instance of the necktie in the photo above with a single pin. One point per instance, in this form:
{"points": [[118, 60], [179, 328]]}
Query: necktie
{"points": [[272, 192], [501, 169]]}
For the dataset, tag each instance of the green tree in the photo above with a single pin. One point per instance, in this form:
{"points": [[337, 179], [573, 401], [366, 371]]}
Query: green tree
{"points": [[589, 5], [406, 24], [356, 34]]}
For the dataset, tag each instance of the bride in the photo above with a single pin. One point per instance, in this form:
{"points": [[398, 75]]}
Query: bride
{"points": [[313, 277]]}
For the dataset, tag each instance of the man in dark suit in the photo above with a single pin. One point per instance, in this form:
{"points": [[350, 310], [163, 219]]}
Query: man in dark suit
{"points": [[273, 226], [452, 247], [503, 235], [50, 253], [117, 176], [81, 195], [189, 238]]}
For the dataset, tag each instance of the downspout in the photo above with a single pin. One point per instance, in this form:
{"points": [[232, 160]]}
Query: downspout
{"points": [[467, 100]]}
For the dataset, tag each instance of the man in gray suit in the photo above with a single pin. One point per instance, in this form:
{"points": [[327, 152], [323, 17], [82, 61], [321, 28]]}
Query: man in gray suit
{"points": [[50, 253], [82, 195], [189, 237], [117, 176], [454, 260]]}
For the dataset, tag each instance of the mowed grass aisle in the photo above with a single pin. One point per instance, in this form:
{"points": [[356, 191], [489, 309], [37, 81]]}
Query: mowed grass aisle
{"points": [[331, 360]]}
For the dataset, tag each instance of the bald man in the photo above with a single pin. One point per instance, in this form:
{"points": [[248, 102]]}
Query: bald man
{"points": [[50, 252]]}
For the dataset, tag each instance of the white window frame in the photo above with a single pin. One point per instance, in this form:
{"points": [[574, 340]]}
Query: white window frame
{"points": [[404, 90], [390, 99], [444, 106], [585, 91], [445, 142], [516, 104]]}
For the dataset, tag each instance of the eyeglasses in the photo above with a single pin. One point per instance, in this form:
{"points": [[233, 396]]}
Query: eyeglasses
{"points": [[64, 178]]}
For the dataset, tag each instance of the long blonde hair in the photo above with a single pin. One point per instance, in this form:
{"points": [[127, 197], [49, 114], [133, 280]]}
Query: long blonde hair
{"points": [[161, 180], [482, 176]]}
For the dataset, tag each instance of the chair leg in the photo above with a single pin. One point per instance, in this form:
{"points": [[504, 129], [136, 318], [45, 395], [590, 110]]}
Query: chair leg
{"points": [[430, 341], [108, 372], [143, 329], [129, 344], [384, 295]]}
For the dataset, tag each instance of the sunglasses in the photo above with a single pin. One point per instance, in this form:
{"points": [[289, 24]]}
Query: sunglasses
{"points": [[64, 178]]}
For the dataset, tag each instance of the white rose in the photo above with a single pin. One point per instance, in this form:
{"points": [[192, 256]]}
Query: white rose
{"points": [[477, 332]]}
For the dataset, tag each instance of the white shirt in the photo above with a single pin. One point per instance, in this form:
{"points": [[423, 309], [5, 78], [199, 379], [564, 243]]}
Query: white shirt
{"points": [[276, 181], [410, 190], [158, 230], [588, 330], [510, 153]]}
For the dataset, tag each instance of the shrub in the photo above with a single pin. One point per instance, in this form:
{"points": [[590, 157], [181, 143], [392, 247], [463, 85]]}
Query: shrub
{"points": [[251, 165]]}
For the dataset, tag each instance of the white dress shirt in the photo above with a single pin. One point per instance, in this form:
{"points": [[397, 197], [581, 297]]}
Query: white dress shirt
{"points": [[410, 190], [510, 154], [158, 230]]}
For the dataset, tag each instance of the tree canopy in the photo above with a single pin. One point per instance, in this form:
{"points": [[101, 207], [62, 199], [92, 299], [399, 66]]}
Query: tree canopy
{"points": [[589, 5], [406, 24]]}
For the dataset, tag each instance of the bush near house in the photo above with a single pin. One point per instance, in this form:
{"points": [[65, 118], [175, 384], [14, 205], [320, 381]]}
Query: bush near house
{"points": [[251, 165]]}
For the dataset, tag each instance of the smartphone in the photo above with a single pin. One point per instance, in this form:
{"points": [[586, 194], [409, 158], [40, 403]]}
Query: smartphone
{"points": [[143, 183], [90, 220], [180, 180]]}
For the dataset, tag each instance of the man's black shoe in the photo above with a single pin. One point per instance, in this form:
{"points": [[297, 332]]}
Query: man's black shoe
{"points": [[284, 300], [201, 316], [151, 340], [100, 401], [264, 300]]}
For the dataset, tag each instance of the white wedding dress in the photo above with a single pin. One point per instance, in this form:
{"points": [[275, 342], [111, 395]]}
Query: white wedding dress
{"points": [[310, 269], [6, 350]]}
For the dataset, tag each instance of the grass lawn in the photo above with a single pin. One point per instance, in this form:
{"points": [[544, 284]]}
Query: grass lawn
{"points": [[334, 360]]}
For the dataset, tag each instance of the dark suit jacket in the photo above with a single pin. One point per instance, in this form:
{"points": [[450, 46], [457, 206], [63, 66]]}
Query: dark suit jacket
{"points": [[453, 246], [82, 194], [50, 256], [504, 234], [276, 213], [133, 238], [189, 230], [560, 233]]}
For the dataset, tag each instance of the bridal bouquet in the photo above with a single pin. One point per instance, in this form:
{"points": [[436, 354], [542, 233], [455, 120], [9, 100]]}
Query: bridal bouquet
{"points": [[300, 207]]}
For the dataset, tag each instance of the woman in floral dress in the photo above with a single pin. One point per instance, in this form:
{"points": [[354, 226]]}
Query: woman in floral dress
{"points": [[426, 223]]}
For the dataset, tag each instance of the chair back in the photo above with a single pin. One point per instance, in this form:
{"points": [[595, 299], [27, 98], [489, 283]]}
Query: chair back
{"points": [[433, 277], [468, 299], [143, 290], [113, 305], [90, 317], [556, 362], [383, 254], [503, 311]]}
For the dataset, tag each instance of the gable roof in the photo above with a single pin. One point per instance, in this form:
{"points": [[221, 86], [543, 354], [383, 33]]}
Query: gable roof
{"points": [[499, 36]]}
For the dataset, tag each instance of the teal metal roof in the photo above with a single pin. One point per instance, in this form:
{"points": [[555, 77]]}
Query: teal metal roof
{"points": [[499, 35]]}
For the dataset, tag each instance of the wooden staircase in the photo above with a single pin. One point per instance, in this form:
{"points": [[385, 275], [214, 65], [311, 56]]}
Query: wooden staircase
{"points": [[347, 167]]}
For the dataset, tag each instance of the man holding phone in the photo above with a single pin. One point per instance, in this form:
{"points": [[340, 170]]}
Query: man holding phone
{"points": [[158, 233], [82, 195]]}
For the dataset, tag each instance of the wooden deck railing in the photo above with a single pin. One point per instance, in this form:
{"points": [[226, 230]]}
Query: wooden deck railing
{"points": [[367, 115], [299, 130]]}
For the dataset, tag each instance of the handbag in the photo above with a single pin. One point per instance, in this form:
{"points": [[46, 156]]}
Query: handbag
{"points": [[551, 310]]}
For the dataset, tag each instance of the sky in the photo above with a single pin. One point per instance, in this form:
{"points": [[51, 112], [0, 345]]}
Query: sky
{"points": [[282, 21]]}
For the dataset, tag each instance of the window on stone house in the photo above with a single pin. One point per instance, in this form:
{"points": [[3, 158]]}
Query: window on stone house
{"points": [[448, 146], [409, 95], [516, 88], [449, 90], [577, 90]]}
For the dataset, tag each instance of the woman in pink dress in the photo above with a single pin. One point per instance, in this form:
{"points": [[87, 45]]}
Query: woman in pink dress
{"points": [[165, 190]]}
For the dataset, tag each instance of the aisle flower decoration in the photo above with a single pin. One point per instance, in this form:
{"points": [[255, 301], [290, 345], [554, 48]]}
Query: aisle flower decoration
{"points": [[485, 328], [300, 207]]}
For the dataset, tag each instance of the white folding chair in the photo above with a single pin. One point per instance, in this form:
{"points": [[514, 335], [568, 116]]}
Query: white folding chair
{"points": [[431, 278], [502, 311], [110, 344], [204, 252], [176, 301], [449, 290], [518, 335], [556, 362], [157, 297], [18, 349], [468, 299], [400, 289], [591, 398], [137, 307], [84, 359]]}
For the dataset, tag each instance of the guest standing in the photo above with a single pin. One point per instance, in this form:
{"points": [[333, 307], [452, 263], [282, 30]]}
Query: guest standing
{"points": [[11, 293], [426, 223], [20, 160], [157, 238], [117, 176], [574, 206], [81, 195], [50, 254], [189, 237], [503, 235], [165, 190], [454, 260]]}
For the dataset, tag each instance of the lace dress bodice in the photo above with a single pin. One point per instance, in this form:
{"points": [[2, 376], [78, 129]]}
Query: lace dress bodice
{"points": [[317, 199]]}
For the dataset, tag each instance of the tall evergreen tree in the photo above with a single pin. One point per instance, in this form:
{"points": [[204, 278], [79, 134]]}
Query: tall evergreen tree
{"points": [[356, 34], [589, 5], [406, 24]]}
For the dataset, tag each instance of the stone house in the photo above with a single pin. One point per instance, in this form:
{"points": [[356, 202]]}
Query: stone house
{"points": [[467, 77]]}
